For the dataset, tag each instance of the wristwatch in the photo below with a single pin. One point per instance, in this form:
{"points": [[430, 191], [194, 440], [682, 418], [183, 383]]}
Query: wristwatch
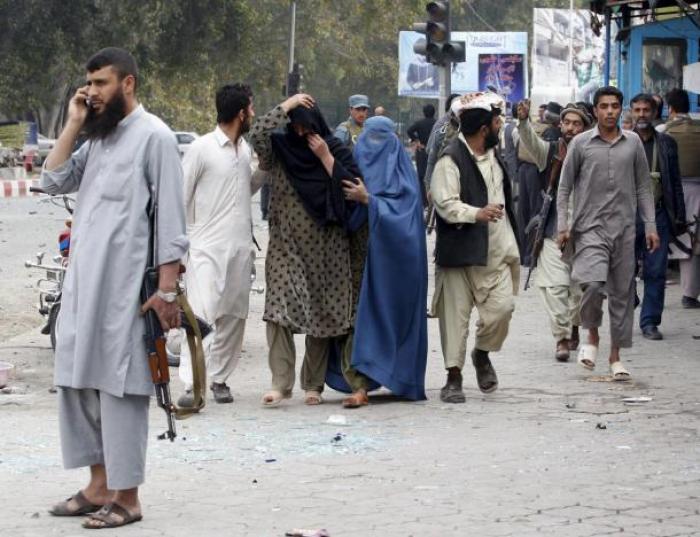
{"points": [[167, 296]]}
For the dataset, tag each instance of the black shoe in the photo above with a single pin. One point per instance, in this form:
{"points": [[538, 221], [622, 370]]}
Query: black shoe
{"points": [[186, 400], [452, 392], [485, 373], [690, 303], [652, 332], [222, 393]]}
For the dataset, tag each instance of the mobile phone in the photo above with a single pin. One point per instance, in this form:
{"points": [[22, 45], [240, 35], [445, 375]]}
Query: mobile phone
{"points": [[88, 102]]}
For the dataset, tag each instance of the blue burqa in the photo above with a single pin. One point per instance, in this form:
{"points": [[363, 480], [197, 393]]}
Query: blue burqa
{"points": [[390, 342]]}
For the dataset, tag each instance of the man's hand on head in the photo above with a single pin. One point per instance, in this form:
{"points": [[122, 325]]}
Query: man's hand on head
{"points": [[300, 99]]}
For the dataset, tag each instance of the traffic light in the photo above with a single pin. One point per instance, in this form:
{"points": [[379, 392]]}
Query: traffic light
{"points": [[436, 46], [294, 80]]}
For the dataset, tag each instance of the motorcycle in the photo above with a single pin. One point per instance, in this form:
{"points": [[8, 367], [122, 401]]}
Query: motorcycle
{"points": [[50, 286]]}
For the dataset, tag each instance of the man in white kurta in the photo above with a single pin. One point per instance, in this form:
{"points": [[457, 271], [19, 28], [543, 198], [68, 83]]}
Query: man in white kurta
{"points": [[218, 188], [101, 368]]}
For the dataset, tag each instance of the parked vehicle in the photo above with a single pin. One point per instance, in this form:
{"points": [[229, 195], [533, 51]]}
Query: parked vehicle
{"points": [[45, 147], [184, 139], [50, 285]]}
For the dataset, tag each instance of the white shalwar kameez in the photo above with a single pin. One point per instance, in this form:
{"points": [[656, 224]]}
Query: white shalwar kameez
{"points": [[101, 368], [218, 187]]}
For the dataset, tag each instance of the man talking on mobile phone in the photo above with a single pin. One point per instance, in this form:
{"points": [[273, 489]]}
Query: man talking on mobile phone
{"points": [[104, 385]]}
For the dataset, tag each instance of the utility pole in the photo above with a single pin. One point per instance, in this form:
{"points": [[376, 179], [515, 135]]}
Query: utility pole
{"points": [[292, 84]]}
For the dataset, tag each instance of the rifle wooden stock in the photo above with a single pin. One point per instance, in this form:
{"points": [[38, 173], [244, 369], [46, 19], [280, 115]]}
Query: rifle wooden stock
{"points": [[548, 198], [157, 355]]}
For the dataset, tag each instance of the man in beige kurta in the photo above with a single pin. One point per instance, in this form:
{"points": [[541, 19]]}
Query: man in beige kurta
{"points": [[477, 256], [560, 296]]}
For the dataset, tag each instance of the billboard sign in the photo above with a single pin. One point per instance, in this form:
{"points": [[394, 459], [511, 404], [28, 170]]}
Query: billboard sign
{"points": [[491, 58], [556, 33]]}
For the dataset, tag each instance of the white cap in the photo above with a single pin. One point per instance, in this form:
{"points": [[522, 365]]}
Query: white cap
{"points": [[486, 100]]}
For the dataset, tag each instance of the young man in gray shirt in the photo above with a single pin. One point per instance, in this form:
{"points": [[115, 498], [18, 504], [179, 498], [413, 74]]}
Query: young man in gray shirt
{"points": [[607, 174]]}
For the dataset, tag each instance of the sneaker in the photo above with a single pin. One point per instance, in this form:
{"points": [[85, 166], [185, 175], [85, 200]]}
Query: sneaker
{"points": [[690, 303], [222, 393], [652, 332]]}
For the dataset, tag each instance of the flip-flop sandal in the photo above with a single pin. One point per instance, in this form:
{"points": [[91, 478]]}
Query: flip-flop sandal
{"points": [[313, 398], [618, 372], [356, 400], [273, 398], [106, 516], [587, 355], [84, 506]]}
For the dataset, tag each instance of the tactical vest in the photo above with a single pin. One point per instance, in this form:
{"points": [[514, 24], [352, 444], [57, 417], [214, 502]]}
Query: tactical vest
{"points": [[354, 131], [686, 133]]}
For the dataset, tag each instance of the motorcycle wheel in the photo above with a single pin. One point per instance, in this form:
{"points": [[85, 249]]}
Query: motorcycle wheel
{"points": [[53, 318]]}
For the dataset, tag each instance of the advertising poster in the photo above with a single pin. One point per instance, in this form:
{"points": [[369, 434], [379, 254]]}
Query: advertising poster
{"points": [[418, 78], [505, 73], [557, 32]]}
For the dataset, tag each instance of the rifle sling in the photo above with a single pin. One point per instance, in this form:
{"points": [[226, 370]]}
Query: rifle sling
{"points": [[199, 372]]}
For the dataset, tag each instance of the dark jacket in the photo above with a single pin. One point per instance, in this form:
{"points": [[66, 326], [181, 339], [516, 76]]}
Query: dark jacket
{"points": [[421, 130], [463, 245], [672, 186]]}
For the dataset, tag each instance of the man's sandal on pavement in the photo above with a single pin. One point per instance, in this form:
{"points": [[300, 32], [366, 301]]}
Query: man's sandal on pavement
{"points": [[485, 373], [587, 355], [562, 353], [111, 515], [273, 398], [618, 372], [356, 400], [452, 391], [312, 398], [84, 506]]}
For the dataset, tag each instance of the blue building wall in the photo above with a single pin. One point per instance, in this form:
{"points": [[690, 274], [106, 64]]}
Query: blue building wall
{"points": [[630, 53]]}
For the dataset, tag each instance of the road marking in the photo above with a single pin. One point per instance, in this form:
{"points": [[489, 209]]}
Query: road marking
{"points": [[17, 189]]}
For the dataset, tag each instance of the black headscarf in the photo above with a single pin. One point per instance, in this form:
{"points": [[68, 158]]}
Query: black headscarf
{"points": [[321, 195]]}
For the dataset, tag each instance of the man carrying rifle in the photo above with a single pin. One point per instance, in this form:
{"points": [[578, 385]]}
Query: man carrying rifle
{"points": [[560, 296], [102, 374]]}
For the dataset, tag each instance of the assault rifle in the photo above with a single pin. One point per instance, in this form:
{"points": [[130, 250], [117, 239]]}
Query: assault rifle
{"points": [[157, 356], [430, 219], [539, 222]]}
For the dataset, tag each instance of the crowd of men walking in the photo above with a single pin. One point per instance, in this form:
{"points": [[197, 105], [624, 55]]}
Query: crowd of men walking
{"points": [[346, 216]]}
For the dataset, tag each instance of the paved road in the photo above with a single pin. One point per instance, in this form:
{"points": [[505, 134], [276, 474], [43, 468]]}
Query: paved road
{"points": [[555, 451]]}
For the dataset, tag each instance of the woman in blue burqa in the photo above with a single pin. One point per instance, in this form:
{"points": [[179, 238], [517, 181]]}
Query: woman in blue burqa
{"points": [[389, 344]]}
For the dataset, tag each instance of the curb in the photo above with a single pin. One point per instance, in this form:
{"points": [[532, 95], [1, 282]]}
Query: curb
{"points": [[17, 189]]}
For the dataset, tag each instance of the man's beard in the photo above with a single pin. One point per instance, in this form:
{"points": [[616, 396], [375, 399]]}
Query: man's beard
{"points": [[246, 124], [492, 140], [99, 126], [643, 125]]}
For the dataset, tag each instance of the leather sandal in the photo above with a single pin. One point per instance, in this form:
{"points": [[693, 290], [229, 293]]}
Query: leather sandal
{"points": [[486, 376], [562, 353], [356, 400], [106, 517], [85, 507], [313, 398], [452, 391], [273, 398]]}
